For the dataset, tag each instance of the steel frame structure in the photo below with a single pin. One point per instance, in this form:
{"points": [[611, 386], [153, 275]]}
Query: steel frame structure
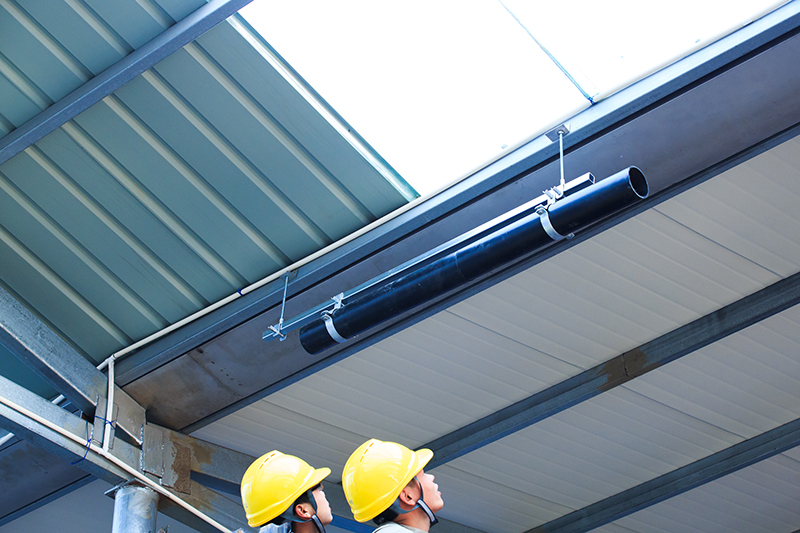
{"points": [[83, 386]]}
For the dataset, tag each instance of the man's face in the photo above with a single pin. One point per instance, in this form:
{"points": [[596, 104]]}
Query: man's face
{"points": [[430, 491], [323, 507]]}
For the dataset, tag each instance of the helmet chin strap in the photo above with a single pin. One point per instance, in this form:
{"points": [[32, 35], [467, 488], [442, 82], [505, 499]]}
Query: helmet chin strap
{"points": [[288, 514], [424, 506], [394, 510], [318, 524]]}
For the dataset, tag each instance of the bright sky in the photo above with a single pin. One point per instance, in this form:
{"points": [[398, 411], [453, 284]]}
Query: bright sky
{"points": [[440, 88]]}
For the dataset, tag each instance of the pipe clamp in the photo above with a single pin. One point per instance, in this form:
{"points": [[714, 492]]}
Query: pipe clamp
{"points": [[544, 217], [331, 328]]}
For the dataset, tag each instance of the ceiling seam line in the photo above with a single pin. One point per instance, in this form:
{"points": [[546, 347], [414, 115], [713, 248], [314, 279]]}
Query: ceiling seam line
{"points": [[684, 413], [493, 482], [695, 271], [706, 238], [515, 341]]}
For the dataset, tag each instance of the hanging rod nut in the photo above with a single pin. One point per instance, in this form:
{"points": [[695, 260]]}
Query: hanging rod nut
{"points": [[553, 134]]}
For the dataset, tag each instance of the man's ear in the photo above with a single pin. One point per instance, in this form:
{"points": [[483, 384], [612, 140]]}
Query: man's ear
{"points": [[408, 495], [304, 511]]}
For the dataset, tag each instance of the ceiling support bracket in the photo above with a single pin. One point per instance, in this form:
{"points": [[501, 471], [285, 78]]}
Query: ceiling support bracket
{"points": [[278, 329]]}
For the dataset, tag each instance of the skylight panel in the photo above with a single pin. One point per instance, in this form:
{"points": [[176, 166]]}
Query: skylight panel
{"points": [[439, 89], [610, 44], [442, 88]]}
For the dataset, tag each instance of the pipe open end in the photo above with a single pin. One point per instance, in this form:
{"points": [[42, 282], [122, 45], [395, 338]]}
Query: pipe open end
{"points": [[638, 182]]}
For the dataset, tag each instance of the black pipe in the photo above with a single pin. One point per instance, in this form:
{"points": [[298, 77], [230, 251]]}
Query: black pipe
{"points": [[509, 241]]}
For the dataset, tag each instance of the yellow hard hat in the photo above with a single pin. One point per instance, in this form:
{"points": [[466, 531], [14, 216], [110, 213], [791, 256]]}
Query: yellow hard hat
{"points": [[376, 473], [273, 482]]}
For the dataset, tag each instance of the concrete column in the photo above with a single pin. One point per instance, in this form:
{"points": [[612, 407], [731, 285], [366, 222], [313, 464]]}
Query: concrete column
{"points": [[135, 509]]}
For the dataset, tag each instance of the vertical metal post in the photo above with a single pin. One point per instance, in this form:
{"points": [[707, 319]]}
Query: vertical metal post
{"points": [[107, 425], [134, 509], [561, 159]]}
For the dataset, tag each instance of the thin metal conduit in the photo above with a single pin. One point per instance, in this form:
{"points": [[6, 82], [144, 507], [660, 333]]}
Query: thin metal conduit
{"points": [[549, 54]]}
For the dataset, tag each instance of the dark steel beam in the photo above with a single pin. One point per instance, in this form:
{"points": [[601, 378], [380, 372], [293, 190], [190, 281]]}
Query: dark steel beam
{"points": [[37, 478], [49, 355], [71, 374], [622, 368], [52, 441], [224, 510], [39, 422], [678, 481], [117, 75]]}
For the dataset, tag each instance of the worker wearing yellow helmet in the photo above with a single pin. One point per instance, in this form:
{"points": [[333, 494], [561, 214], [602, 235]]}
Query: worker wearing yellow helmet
{"points": [[284, 491], [386, 482]]}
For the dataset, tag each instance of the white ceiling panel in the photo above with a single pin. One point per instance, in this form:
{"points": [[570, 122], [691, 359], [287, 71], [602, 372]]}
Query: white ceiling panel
{"points": [[746, 384], [446, 371], [617, 291], [755, 213], [488, 506], [594, 450], [759, 499]]}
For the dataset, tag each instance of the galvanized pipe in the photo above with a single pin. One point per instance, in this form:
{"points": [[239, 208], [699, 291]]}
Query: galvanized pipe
{"points": [[505, 243], [134, 509]]}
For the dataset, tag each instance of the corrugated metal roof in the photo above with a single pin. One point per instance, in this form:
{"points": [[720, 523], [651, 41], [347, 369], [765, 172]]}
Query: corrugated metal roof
{"points": [[49, 49], [603, 297], [201, 176]]}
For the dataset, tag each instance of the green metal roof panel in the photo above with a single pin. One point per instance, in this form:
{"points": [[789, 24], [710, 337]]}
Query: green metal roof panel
{"points": [[169, 257], [199, 177], [177, 9], [76, 33], [16, 106], [37, 58], [48, 49], [235, 177]]}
